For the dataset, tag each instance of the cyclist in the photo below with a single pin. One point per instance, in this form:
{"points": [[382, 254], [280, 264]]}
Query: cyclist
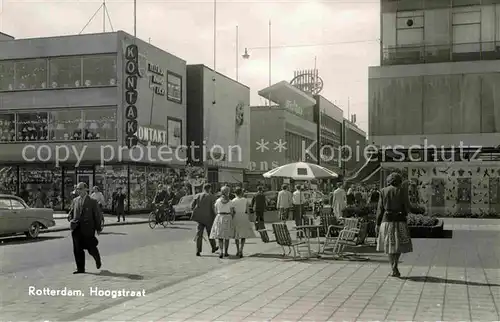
{"points": [[170, 199], [159, 201]]}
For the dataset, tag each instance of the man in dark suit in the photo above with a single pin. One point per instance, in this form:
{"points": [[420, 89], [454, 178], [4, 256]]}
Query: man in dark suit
{"points": [[204, 215], [85, 221], [259, 203]]}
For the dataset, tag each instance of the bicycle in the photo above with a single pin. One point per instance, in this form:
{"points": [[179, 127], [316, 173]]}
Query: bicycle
{"points": [[161, 216]]}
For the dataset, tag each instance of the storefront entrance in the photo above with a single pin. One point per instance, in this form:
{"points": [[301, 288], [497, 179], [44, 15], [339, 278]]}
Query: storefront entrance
{"points": [[85, 175]]}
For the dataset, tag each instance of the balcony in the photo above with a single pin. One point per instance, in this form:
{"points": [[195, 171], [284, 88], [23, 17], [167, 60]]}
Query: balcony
{"points": [[422, 54]]}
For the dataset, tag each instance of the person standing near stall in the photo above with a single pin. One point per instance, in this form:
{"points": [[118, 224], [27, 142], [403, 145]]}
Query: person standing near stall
{"points": [[119, 203]]}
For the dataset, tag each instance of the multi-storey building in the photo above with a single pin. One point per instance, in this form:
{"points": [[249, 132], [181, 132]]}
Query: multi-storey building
{"points": [[218, 116], [70, 107], [434, 100]]}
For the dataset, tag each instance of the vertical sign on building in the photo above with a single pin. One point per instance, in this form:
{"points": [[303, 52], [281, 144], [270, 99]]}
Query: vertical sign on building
{"points": [[132, 72]]}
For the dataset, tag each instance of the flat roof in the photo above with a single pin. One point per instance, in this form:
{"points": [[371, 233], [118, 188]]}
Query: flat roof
{"points": [[283, 91], [218, 73]]}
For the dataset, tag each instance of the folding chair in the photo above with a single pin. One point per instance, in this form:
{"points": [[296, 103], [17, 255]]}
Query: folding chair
{"points": [[264, 236], [349, 236], [331, 227], [284, 239]]}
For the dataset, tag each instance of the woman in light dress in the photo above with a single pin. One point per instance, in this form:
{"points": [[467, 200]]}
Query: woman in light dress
{"points": [[242, 226], [223, 228]]}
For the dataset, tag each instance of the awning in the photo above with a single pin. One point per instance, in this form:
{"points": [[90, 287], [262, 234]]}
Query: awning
{"points": [[367, 172], [283, 93]]}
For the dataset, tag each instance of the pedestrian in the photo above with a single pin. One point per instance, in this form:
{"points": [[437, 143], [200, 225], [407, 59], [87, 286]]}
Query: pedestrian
{"points": [[298, 200], [242, 225], [119, 203], [204, 215], [339, 200], [85, 221], [351, 199], [222, 228], [392, 229], [98, 196], [284, 202], [40, 199], [259, 204]]}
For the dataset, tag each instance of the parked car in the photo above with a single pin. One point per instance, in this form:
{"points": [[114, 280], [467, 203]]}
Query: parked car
{"points": [[16, 217], [183, 207]]}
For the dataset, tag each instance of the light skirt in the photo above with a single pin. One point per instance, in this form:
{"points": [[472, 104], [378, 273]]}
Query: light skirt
{"points": [[394, 238], [242, 226], [223, 227]]}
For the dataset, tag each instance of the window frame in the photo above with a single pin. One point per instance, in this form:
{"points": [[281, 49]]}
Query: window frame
{"points": [[24, 206], [179, 121], [409, 14], [51, 123], [178, 101], [8, 201], [48, 79]]}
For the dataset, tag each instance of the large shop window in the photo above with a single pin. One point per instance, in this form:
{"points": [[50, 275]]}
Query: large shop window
{"points": [[65, 72], [83, 125], [31, 74], [7, 72], [174, 87], [8, 180], [32, 126], [7, 127], [41, 186], [99, 70], [410, 28]]}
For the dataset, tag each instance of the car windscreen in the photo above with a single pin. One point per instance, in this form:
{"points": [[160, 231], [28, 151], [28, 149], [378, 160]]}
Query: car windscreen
{"points": [[186, 199]]}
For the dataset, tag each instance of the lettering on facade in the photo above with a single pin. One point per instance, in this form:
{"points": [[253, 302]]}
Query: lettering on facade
{"points": [[150, 135], [262, 166], [132, 72], [157, 79], [293, 107]]}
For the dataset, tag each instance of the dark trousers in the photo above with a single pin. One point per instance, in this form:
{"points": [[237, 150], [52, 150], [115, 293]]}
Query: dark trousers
{"points": [[80, 243], [120, 212], [199, 237], [259, 220], [298, 214]]}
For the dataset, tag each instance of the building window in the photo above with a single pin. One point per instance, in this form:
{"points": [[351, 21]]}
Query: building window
{"points": [[174, 129], [100, 124], [7, 127], [31, 74], [83, 125], [32, 126], [65, 125], [65, 72], [99, 70], [7, 69], [174, 87], [410, 28], [466, 30]]}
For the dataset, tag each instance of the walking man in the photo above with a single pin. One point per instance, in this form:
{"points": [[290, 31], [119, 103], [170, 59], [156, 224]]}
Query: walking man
{"points": [[298, 205], [259, 203], [119, 203], [284, 202], [204, 215], [339, 200], [85, 221]]}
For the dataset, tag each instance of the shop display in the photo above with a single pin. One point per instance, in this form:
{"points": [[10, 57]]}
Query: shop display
{"points": [[116, 176], [138, 188], [7, 127], [41, 185], [32, 126], [8, 180]]}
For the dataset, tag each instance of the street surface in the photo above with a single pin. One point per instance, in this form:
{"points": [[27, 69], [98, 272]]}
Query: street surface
{"points": [[452, 279]]}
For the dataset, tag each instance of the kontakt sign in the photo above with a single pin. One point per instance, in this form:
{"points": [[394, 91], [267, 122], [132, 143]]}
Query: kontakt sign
{"points": [[132, 72]]}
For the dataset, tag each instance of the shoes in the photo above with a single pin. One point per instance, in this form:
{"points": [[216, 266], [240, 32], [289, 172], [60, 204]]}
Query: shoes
{"points": [[198, 254], [396, 273], [240, 255], [214, 250], [98, 264], [226, 255], [221, 256], [79, 272]]}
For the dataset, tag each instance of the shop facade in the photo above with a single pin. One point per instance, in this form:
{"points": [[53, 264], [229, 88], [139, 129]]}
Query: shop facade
{"points": [[282, 133], [218, 110], [66, 116]]}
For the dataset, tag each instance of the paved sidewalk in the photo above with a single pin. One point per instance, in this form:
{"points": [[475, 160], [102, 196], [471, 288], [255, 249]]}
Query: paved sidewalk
{"points": [[443, 280]]}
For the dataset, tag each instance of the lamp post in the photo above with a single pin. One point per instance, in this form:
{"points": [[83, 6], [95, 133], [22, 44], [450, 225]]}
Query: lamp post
{"points": [[246, 55]]}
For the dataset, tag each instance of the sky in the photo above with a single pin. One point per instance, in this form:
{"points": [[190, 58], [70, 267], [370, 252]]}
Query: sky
{"points": [[342, 35]]}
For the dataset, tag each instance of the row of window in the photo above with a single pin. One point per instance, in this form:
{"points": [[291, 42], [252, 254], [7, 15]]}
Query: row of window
{"points": [[465, 27], [60, 72], [59, 125]]}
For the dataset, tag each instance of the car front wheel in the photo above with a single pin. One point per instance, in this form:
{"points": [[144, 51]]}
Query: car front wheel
{"points": [[33, 231]]}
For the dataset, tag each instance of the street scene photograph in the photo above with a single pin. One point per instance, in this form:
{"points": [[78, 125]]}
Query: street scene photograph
{"points": [[249, 161]]}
